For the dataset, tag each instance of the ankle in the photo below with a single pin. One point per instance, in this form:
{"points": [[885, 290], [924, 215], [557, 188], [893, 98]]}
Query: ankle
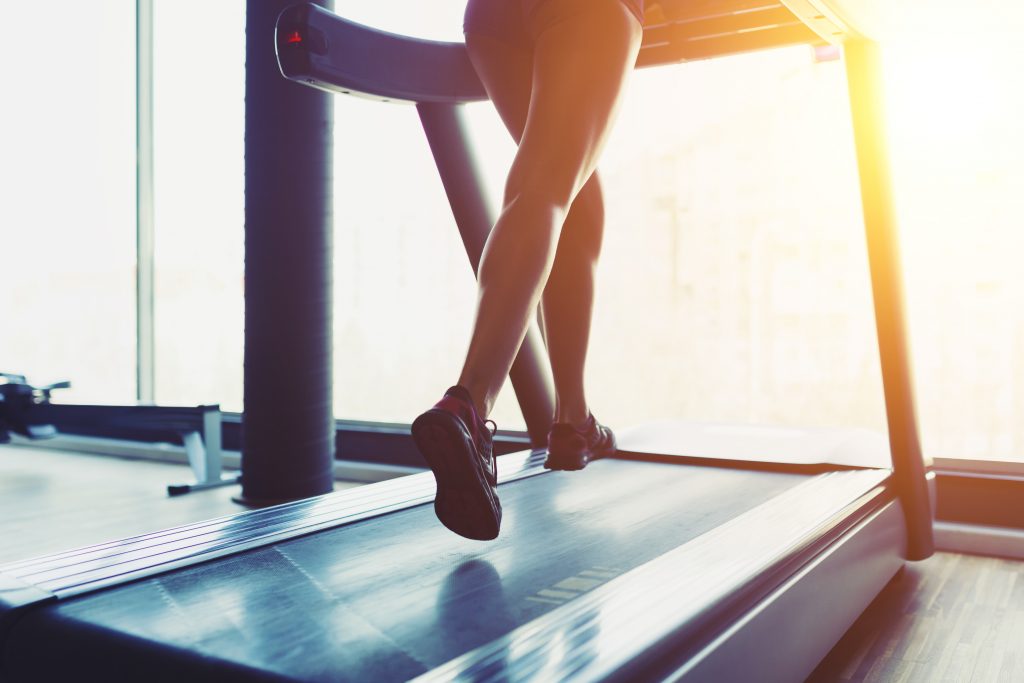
{"points": [[578, 419], [475, 399]]}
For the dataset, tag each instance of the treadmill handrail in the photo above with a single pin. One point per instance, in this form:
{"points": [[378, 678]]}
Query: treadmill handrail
{"points": [[319, 48]]}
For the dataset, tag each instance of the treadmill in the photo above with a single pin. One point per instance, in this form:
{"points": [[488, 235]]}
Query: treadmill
{"points": [[699, 553]]}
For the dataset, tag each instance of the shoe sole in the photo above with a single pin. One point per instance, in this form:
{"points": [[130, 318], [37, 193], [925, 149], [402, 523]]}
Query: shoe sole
{"points": [[577, 461], [465, 501]]}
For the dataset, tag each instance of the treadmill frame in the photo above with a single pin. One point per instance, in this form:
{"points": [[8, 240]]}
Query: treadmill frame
{"points": [[760, 581], [320, 49]]}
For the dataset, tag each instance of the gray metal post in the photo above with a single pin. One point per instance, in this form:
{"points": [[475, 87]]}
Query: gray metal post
{"points": [[446, 133], [911, 469], [144, 241], [205, 456], [213, 465]]}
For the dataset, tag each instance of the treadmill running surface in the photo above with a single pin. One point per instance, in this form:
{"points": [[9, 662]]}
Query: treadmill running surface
{"points": [[393, 596]]}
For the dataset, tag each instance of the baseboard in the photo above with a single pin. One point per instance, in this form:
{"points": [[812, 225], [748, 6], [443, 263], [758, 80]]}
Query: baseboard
{"points": [[976, 539]]}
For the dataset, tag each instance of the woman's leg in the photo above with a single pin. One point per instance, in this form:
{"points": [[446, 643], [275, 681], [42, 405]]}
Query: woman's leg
{"points": [[579, 68], [567, 303]]}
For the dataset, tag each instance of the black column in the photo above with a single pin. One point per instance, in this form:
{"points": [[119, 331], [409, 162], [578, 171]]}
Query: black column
{"points": [[288, 448]]}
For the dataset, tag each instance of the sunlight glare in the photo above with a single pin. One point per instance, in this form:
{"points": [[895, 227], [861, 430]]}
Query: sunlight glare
{"points": [[949, 79]]}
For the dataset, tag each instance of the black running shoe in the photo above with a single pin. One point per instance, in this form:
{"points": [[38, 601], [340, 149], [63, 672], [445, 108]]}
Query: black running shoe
{"points": [[571, 449], [458, 447]]}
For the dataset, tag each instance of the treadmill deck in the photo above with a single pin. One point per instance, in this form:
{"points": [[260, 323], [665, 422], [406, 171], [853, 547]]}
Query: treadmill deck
{"points": [[396, 595]]}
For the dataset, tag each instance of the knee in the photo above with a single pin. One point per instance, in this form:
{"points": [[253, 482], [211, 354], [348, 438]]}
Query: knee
{"points": [[540, 189], [541, 205]]}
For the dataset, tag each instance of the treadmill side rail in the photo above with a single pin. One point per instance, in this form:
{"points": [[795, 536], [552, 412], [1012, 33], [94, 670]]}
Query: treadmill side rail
{"points": [[787, 635], [83, 570]]}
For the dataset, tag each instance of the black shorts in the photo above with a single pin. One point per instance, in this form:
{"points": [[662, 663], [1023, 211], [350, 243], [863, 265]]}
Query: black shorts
{"points": [[521, 21]]}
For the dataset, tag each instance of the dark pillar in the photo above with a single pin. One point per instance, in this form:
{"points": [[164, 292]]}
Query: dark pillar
{"points": [[911, 470], [288, 448]]}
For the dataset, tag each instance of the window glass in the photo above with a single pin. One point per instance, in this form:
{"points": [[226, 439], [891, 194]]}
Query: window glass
{"points": [[734, 283], [404, 290], [67, 197], [709, 249], [957, 145], [199, 120]]}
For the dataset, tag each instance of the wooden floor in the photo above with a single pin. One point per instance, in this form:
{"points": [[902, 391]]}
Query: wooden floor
{"points": [[950, 618], [52, 501]]}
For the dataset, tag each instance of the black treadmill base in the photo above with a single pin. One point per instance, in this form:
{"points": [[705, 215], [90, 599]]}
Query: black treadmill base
{"points": [[391, 597]]}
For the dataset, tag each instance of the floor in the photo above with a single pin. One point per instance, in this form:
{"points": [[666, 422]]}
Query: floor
{"points": [[949, 618], [52, 500]]}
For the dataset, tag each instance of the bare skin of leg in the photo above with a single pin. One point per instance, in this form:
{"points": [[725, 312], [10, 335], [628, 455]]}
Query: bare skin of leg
{"points": [[567, 301], [578, 72], [567, 304]]}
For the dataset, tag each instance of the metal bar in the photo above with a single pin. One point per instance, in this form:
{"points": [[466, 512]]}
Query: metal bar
{"points": [[445, 128], [720, 25], [203, 449], [194, 448], [911, 469], [696, 10], [144, 217], [674, 52], [211, 441], [182, 489]]}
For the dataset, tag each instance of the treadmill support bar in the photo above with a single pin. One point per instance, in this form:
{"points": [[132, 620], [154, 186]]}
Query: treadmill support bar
{"points": [[911, 470]]}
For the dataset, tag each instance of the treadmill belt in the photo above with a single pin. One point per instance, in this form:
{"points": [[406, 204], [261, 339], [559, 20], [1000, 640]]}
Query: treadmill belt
{"points": [[393, 596]]}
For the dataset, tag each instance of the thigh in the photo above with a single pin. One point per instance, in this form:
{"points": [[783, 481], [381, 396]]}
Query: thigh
{"points": [[506, 70], [498, 20], [583, 52]]}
